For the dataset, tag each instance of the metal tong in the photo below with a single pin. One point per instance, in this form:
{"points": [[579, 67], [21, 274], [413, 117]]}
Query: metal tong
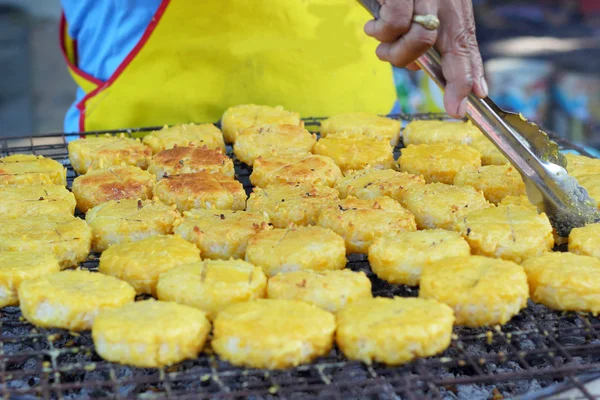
{"points": [[527, 147]]}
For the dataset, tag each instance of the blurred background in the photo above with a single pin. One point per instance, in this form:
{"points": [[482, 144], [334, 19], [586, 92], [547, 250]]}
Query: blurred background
{"points": [[542, 57]]}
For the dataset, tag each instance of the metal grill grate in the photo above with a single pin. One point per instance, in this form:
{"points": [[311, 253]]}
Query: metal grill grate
{"points": [[536, 349]]}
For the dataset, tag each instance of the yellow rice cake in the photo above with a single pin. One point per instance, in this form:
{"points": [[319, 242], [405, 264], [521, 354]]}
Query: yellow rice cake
{"points": [[237, 118], [23, 201], [185, 135], [490, 155], [150, 334], [438, 162], [394, 331], [591, 183], [292, 168], [495, 181], [360, 222], [578, 165], [27, 169], [400, 258], [19, 266], [71, 299], [212, 285], [482, 291], [273, 334], [585, 240], [186, 160], [371, 125], [221, 234], [296, 248], [370, 183], [522, 201], [140, 263], [434, 131], [565, 281], [331, 290], [123, 221]]}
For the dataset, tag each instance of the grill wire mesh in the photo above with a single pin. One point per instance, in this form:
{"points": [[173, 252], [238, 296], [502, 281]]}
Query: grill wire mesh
{"points": [[536, 349]]}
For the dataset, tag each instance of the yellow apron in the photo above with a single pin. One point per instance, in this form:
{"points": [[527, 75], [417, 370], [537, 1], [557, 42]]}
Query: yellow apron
{"points": [[196, 58]]}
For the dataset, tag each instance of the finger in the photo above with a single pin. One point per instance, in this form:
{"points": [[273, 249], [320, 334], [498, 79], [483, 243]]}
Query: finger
{"points": [[414, 43], [413, 67], [480, 87], [394, 20]]}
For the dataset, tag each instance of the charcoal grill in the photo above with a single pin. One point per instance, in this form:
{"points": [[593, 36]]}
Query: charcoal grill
{"points": [[539, 353]]}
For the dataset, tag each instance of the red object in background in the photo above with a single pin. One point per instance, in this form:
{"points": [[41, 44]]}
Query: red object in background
{"points": [[590, 6]]}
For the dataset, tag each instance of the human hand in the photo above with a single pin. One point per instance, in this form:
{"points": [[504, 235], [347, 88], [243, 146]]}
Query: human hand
{"points": [[403, 41]]}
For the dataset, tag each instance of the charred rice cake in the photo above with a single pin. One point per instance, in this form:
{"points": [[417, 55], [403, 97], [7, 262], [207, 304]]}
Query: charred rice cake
{"points": [[221, 234], [94, 152], [495, 181], [140, 263], [512, 233], [296, 248], [185, 135], [482, 291], [150, 333], [269, 140], [23, 201], [565, 281], [370, 183], [186, 160], [292, 168], [434, 131], [578, 165], [66, 237], [298, 204], [331, 290], [19, 266], [438, 162], [437, 205], [27, 169], [360, 222], [400, 258], [212, 285], [353, 151], [237, 118], [114, 183], [490, 155], [71, 299], [273, 334], [585, 240], [123, 221], [201, 190], [367, 124], [394, 331]]}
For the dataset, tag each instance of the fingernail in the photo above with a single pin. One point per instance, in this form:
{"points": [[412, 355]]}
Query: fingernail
{"points": [[462, 108], [369, 27], [484, 86]]}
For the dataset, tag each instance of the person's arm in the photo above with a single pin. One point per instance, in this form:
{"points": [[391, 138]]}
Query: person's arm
{"points": [[403, 41]]}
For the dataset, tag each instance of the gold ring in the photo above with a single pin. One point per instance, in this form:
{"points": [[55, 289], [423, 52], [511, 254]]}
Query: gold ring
{"points": [[429, 21]]}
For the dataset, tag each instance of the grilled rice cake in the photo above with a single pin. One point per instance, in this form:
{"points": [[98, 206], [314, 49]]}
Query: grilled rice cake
{"points": [[185, 135], [370, 183], [19, 266], [186, 160], [298, 204], [113, 183], [201, 190], [292, 168], [150, 333], [522, 201], [565, 281], [330, 290], [212, 285], [273, 139], [591, 183], [371, 125], [400, 258], [123, 221], [71, 299], [272, 334], [438, 162], [66, 237], [512, 233], [237, 118], [24, 201], [490, 155], [296, 248], [482, 291], [435, 131], [28, 170], [140, 263], [495, 181], [437, 205], [354, 151], [94, 152], [585, 240], [360, 222], [394, 331], [221, 234], [578, 165]]}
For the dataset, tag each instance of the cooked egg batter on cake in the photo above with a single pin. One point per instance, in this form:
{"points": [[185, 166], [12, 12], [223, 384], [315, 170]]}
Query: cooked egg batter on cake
{"points": [[371, 183], [294, 168], [28, 170], [237, 118], [367, 124], [185, 135], [187, 160]]}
